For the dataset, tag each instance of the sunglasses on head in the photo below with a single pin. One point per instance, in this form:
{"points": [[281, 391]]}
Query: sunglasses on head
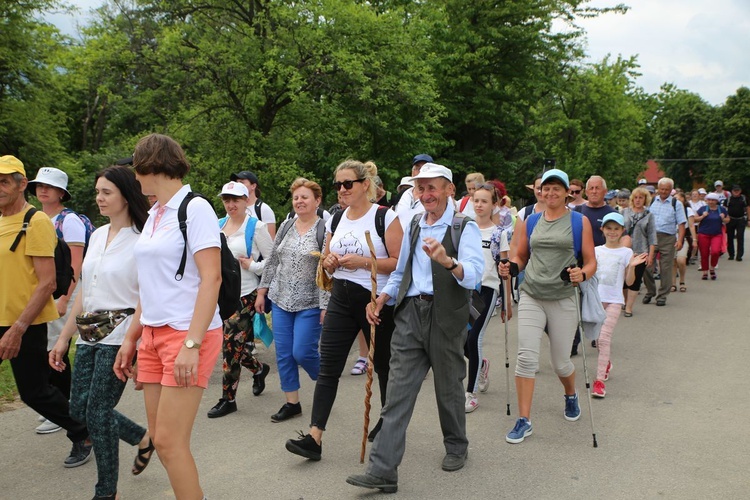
{"points": [[348, 184], [575, 191]]}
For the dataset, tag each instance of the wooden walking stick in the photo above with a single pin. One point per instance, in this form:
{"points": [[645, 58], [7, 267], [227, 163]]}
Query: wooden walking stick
{"points": [[368, 384]]}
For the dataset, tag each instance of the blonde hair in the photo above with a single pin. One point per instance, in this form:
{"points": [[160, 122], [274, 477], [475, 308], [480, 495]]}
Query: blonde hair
{"points": [[307, 183], [475, 177], [367, 171], [643, 192]]}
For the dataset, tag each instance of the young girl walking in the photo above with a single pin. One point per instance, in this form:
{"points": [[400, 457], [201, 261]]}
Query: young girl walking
{"points": [[615, 265]]}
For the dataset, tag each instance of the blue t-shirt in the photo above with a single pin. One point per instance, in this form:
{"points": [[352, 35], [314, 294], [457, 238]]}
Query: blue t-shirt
{"points": [[595, 216], [711, 225]]}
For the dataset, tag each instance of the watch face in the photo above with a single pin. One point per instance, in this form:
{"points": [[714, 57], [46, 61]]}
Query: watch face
{"points": [[189, 344]]}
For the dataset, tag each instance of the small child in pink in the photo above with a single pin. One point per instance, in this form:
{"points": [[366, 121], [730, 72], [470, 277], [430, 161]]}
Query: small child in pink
{"points": [[615, 265]]}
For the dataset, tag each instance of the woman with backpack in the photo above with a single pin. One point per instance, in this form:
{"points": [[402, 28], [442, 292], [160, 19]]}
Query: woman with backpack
{"points": [[348, 260], [109, 284], [711, 219], [563, 250], [180, 326], [682, 256], [51, 189], [640, 225], [298, 306], [248, 239]]}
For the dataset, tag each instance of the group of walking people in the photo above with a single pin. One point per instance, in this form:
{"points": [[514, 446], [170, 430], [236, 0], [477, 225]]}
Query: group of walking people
{"points": [[150, 281]]}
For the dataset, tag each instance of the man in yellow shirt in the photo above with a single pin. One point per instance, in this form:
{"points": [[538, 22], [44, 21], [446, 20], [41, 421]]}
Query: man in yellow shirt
{"points": [[27, 280]]}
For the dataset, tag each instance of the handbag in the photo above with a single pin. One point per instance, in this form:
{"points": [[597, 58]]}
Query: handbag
{"points": [[261, 330], [94, 326]]}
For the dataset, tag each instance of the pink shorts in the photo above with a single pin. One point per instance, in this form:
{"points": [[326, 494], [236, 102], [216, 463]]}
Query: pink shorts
{"points": [[158, 351]]}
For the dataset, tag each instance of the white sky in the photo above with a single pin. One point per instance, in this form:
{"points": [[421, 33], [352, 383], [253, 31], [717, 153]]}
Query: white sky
{"points": [[699, 45]]}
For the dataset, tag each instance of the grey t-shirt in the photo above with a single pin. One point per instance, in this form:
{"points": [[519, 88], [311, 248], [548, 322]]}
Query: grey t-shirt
{"points": [[552, 251]]}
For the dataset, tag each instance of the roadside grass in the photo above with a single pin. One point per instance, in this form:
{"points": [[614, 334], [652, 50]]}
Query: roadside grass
{"points": [[8, 392]]}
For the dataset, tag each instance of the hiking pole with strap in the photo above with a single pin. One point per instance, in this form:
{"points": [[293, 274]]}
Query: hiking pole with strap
{"points": [[507, 305], [371, 352]]}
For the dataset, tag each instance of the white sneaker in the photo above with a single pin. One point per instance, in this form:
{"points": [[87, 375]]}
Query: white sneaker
{"points": [[40, 418], [484, 375], [47, 427], [472, 403]]}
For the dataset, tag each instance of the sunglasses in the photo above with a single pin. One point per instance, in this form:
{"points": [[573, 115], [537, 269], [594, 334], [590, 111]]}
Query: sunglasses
{"points": [[347, 184], [575, 191]]}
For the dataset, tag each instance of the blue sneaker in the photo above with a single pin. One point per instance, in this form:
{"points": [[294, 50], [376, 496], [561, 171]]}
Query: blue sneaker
{"points": [[572, 409], [521, 430]]}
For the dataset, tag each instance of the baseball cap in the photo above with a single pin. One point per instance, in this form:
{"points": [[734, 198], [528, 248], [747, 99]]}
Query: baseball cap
{"points": [[718, 183], [623, 193], [651, 189], [234, 189], [713, 196], [422, 157], [52, 177], [432, 171], [406, 181], [735, 187], [610, 194], [245, 174], [9, 164], [701, 191], [614, 217], [555, 173], [642, 182]]}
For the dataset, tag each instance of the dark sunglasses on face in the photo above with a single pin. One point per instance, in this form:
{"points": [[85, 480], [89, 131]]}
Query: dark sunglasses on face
{"points": [[347, 184], [574, 191]]}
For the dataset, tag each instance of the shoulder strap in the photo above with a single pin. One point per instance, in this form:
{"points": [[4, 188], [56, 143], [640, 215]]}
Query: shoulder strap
{"points": [[223, 222], [380, 225], [182, 220], [60, 219], [249, 233], [320, 212], [335, 220], [285, 227], [258, 204], [26, 220], [321, 233], [531, 221], [464, 202], [457, 227], [414, 233], [576, 221]]}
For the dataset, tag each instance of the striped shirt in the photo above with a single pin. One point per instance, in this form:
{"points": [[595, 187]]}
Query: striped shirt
{"points": [[667, 217]]}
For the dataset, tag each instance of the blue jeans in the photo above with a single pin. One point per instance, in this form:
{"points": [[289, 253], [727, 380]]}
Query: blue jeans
{"points": [[297, 335]]}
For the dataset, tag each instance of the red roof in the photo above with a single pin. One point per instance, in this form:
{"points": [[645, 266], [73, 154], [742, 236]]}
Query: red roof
{"points": [[653, 173]]}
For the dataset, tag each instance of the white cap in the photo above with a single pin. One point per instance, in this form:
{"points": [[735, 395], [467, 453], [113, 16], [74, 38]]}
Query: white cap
{"points": [[718, 183], [234, 189], [713, 196], [52, 177], [432, 171], [406, 181], [642, 181], [701, 191]]}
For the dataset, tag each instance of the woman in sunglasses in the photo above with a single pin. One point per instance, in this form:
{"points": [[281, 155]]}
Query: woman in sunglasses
{"points": [[298, 306], [348, 259], [576, 192]]}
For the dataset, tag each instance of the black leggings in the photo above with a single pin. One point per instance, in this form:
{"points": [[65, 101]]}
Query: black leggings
{"points": [[639, 270], [344, 319], [473, 346]]}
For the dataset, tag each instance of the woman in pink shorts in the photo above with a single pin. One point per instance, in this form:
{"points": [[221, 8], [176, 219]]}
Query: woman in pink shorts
{"points": [[181, 328]]}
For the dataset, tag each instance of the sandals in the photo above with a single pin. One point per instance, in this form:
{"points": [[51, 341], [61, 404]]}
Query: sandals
{"points": [[360, 366], [673, 289], [704, 277], [713, 274], [143, 458], [627, 314], [683, 288]]}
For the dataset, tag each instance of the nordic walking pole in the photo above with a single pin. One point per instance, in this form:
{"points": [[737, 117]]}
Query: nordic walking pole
{"points": [[583, 346], [371, 353], [508, 314]]}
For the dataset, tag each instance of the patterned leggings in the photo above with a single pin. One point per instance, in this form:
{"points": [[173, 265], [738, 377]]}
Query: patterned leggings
{"points": [[94, 394], [238, 347], [604, 341]]}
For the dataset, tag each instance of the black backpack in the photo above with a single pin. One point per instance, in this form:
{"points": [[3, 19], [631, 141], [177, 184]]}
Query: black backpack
{"points": [[63, 260], [229, 293]]}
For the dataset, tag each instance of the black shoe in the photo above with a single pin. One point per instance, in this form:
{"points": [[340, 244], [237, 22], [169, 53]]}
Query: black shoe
{"points": [[574, 350], [305, 446], [222, 408], [79, 454], [373, 482], [739, 259], [453, 462], [374, 431], [661, 302], [647, 299], [259, 380], [593, 344], [286, 412], [731, 257]]}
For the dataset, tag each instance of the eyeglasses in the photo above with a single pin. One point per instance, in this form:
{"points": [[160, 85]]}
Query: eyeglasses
{"points": [[347, 184], [575, 191]]}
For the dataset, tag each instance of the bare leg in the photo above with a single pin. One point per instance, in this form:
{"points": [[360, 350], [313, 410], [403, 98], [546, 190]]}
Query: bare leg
{"points": [[363, 349], [525, 391], [632, 295], [292, 397], [569, 383]]}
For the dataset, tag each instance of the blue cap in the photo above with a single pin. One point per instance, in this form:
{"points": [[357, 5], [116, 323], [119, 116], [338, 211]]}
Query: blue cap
{"points": [[614, 217], [556, 173], [610, 194], [422, 157]]}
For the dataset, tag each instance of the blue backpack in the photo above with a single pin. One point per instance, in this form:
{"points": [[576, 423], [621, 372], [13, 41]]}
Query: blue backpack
{"points": [[90, 228], [249, 232], [576, 221]]}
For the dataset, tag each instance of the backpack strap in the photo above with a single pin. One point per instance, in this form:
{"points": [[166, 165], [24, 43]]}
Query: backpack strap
{"points": [[380, 226], [182, 220], [223, 222], [576, 222], [285, 227], [26, 220], [321, 233], [60, 219], [414, 234], [531, 221], [249, 233], [457, 228], [335, 220], [464, 202], [258, 204]]}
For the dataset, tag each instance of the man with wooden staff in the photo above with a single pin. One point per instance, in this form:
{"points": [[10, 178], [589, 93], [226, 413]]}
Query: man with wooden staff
{"points": [[432, 285]]}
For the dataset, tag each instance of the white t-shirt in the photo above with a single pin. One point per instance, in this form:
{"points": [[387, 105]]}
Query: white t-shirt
{"points": [[350, 239], [408, 206], [110, 279], [164, 300], [262, 245], [266, 214], [73, 230], [490, 278], [610, 270]]}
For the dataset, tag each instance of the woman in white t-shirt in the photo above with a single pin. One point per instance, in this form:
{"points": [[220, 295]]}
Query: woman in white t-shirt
{"points": [[485, 199], [238, 343], [348, 259], [181, 332], [109, 284], [51, 189]]}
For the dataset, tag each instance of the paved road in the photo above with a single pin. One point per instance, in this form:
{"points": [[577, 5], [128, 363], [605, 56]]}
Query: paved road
{"points": [[673, 425]]}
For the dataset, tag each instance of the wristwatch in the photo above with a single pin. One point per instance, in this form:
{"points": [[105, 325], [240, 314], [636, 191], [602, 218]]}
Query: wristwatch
{"points": [[584, 276], [192, 344], [455, 264]]}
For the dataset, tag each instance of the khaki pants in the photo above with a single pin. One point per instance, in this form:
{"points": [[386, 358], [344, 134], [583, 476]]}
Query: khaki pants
{"points": [[665, 246]]}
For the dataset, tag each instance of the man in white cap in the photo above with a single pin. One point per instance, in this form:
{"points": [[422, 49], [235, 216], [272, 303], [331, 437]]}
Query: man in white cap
{"points": [[431, 285], [408, 204], [27, 280], [719, 190]]}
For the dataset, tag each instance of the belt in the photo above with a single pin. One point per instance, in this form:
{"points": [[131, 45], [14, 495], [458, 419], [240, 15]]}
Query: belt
{"points": [[425, 297]]}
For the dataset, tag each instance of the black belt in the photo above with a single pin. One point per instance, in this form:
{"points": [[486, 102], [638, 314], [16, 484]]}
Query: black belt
{"points": [[424, 296]]}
